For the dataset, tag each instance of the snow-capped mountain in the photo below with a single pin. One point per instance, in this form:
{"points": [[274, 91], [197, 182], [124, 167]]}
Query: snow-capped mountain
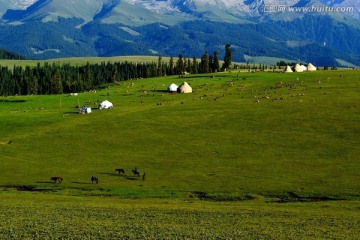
{"points": [[62, 28], [18, 4], [348, 7], [332, 2], [140, 12], [52, 10], [14, 4]]}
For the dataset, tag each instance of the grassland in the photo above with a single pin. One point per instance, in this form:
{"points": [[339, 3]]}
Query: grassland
{"points": [[246, 155], [266, 60], [82, 60], [29, 216]]}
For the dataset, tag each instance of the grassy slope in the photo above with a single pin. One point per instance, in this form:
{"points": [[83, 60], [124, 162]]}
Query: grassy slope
{"points": [[82, 60], [41, 216], [218, 140], [301, 137], [266, 60]]}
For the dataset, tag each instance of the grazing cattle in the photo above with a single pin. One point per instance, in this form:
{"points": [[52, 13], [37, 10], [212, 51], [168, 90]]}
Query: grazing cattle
{"points": [[136, 172], [120, 171], [56, 179], [94, 180]]}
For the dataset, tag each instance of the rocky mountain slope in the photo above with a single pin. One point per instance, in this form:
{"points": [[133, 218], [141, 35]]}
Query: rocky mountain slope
{"points": [[62, 28]]}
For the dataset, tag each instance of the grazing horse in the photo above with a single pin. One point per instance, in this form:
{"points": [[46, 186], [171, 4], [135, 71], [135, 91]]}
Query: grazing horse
{"points": [[136, 172], [56, 179], [120, 171], [94, 179]]}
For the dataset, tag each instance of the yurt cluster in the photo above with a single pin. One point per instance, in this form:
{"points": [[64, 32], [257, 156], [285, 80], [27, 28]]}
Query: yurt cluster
{"points": [[300, 68], [183, 88]]}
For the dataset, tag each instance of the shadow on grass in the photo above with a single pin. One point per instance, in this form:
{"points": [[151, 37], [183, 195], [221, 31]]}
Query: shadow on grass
{"points": [[81, 182], [293, 197], [113, 174], [68, 113], [132, 178], [202, 76], [219, 198], [45, 182], [110, 174], [26, 188], [12, 101], [161, 91], [121, 175]]}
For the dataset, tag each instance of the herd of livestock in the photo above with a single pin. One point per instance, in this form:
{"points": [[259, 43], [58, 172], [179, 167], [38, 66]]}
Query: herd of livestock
{"points": [[95, 180]]}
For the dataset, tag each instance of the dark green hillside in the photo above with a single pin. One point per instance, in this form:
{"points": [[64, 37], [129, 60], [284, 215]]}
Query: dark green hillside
{"points": [[47, 40], [318, 40], [9, 55]]}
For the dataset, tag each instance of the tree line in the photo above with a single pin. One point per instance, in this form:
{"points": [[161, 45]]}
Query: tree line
{"points": [[9, 55], [57, 79]]}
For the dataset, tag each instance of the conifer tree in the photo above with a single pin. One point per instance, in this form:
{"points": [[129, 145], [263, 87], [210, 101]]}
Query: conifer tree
{"points": [[160, 67], [194, 66], [185, 65], [211, 63], [227, 58], [180, 65], [56, 84], [216, 64], [88, 79], [171, 66], [188, 66], [67, 84], [114, 74], [204, 63], [33, 87]]}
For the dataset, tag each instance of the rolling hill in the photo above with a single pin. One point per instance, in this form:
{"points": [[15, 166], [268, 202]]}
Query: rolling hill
{"points": [[246, 155], [237, 134]]}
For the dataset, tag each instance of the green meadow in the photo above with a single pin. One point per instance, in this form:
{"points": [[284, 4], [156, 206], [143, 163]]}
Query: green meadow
{"points": [[245, 156], [80, 61]]}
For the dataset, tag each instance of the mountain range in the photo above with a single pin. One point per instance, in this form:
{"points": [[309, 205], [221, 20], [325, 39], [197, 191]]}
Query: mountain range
{"points": [[325, 32]]}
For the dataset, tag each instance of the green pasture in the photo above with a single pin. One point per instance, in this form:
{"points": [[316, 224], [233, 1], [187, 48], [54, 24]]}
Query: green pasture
{"points": [[254, 147], [46, 216], [80, 61], [266, 60], [256, 133]]}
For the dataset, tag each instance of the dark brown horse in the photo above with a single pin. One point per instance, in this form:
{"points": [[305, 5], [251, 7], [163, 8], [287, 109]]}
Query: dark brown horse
{"points": [[94, 180], [120, 171], [136, 172], [56, 179]]}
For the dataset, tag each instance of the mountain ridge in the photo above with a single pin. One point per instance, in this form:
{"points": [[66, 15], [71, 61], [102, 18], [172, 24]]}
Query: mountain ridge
{"points": [[230, 10], [61, 28]]}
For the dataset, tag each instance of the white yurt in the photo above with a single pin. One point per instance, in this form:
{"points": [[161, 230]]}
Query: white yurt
{"points": [[184, 88], [311, 67], [172, 87], [297, 68], [288, 69], [105, 105], [304, 68]]}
